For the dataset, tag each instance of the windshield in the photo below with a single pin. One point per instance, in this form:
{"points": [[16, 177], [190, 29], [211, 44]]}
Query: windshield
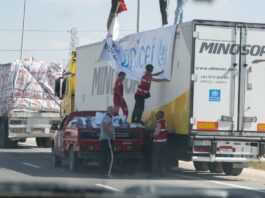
{"points": [[79, 122], [164, 93]]}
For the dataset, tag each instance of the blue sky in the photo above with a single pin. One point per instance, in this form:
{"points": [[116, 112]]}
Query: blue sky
{"points": [[90, 16]]}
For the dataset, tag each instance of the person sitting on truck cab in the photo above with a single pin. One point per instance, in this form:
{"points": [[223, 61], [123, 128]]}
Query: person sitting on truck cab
{"points": [[118, 98], [159, 146], [117, 6], [107, 137], [142, 93], [163, 9]]}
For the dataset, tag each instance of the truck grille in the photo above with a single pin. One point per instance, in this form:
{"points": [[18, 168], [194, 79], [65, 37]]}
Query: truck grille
{"points": [[128, 134], [89, 135]]}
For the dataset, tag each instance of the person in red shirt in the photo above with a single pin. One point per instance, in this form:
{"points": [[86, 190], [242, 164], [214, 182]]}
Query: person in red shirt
{"points": [[117, 6], [118, 99], [142, 93]]}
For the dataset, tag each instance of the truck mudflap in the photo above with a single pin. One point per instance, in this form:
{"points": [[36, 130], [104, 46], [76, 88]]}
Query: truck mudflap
{"points": [[243, 149]]}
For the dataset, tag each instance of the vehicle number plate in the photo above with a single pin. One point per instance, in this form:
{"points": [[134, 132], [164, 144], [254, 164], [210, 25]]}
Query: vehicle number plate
{"points": [[226, 150]]}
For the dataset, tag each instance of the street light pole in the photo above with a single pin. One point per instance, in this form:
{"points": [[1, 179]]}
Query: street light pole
{"points": [[138, 15], [22, 33]]}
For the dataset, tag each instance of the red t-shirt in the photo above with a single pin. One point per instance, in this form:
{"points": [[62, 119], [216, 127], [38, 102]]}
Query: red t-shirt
{"points": [[145, 84], [122, 6], [118, 86]]}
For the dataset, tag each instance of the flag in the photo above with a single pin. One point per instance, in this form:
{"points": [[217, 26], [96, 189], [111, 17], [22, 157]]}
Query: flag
{"points": [[112, 51]]}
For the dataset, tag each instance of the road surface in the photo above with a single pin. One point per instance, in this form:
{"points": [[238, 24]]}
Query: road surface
{"points": [[30, 163]]}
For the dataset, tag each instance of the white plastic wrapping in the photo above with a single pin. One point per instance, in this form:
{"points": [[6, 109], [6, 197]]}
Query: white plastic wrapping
{"points": [[29, 86]]}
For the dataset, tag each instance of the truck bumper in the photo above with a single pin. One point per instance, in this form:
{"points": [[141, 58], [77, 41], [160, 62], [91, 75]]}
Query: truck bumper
{"points": [[17, 136], [226, 159], [95, 156], [228, 149]]}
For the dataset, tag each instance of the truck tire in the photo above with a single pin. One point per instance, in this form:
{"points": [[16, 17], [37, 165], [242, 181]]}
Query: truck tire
{"points": [[230, 170], [47, 142], [4, 141], [201, 166], [73, 160], [215, 167], [23, 140], [39, 142], [13, 144]]}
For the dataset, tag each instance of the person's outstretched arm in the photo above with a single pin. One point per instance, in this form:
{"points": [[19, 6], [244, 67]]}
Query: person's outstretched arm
{"points": [[158, 73]]}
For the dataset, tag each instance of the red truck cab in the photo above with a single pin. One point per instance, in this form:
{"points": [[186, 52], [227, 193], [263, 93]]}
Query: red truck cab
{"points": [[77, 140]]}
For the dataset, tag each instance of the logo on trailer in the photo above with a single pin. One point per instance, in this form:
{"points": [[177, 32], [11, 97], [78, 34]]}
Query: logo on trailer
{"points": [[232, 49], [215, 95]]}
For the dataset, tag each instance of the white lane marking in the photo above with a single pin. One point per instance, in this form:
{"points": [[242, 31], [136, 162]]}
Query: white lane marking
{"points": [[31, 165], [222, 183], [107, 187]]}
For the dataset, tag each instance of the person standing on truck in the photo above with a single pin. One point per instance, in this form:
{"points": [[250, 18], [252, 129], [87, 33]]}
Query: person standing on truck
{"points": [[107, 137], [117, 6], [118, 98], [179, 11], [159, 146], [142, 93], [163, 9]]}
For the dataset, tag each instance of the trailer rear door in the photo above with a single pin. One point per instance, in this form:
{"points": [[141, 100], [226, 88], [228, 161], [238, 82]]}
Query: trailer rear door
{"points": [[215, 78], [252, 113]]}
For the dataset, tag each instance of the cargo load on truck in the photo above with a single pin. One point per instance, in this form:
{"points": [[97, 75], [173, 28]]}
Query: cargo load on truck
{"points": [[29, 86], [28, 105]]}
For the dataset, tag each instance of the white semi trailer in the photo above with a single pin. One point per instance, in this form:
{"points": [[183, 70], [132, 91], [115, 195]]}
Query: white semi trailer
{"points": [[214, 102]]}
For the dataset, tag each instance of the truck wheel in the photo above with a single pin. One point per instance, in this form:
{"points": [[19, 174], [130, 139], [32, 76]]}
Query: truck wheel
{"points": [[230, 170], [13, 144], [23, 140], [39, 142], [73, 160], [4, 141], [215, 167], [47, 142], [201, 166]]}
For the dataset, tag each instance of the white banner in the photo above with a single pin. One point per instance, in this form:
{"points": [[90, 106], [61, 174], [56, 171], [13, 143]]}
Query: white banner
{"points": [[132, 53]]}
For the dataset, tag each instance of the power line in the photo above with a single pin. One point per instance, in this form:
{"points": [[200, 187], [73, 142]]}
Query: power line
{"points": [[58, 31], [32, 50], [32, 30]]}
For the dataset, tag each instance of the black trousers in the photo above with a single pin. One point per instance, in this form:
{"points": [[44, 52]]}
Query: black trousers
{"points": [[107, 156], [138, 109], [113, 9], [163, 10], [159, 158]]}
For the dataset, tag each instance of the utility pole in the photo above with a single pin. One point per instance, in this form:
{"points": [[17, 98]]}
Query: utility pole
{"points": [[22, 33], [138, 15]]}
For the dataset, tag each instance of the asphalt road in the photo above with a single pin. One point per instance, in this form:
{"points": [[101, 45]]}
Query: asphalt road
{"points": [[33, 164]]}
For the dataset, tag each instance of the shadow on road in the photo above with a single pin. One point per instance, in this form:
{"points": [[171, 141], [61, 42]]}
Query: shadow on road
{"points": [[39, 164]]}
